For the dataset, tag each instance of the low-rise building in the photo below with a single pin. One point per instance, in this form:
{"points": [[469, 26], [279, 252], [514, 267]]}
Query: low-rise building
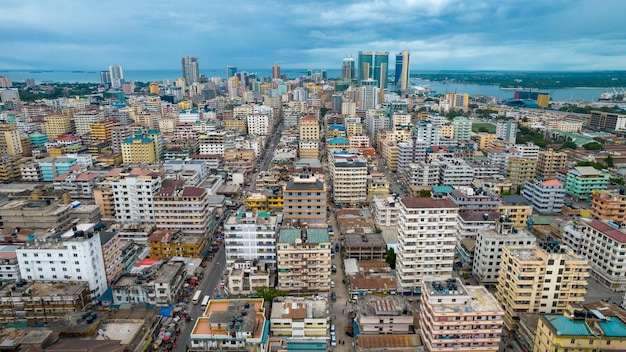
{"points": [[385, 210], [300, 317], [166, 244], [609, 205], [384, 315], [230, 324], [582, 181], [547, 197], [455, 317], [77, 184], [152, 282], [246, 276]]}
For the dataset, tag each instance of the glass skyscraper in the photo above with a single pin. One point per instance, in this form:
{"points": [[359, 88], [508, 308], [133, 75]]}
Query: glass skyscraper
{"points": [[191, 70], [401, 80], [374, 65]]}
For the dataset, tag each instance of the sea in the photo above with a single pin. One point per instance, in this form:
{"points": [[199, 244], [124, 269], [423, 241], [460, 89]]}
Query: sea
{"points": [[47, 76]]}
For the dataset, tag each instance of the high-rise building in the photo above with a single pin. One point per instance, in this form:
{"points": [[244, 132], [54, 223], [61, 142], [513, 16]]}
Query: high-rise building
{"points": [[299, 249], [116, 75], [182, 208], [251, 236], [402, 76], [191, 70], [426, 241], [57, 125], [365, 66], [10, 142], [602, 243], [105, 78], [349, 176], [368, 95], [275, 71], [380, 69], [230, 71], [133, 195], [548, 162], [348, 69], [304, 199], [507, 130]]}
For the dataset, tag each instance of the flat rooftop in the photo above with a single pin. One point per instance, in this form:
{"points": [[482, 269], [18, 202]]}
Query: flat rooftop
{"points": [[474, 299], [299, 308], [125, 331]]}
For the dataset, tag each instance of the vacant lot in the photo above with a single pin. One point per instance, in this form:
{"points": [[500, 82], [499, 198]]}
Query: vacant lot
{"points": [[483, 127]]}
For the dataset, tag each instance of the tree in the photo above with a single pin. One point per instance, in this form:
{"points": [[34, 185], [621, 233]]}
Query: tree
{"points": [[595, 165], [609, 161], [390, 258], [619, 181], [269, 293], [570, 145], [593, 146], [425, 193]]}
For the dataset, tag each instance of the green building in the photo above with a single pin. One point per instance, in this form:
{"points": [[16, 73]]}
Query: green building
{"points": [[581, 181]]}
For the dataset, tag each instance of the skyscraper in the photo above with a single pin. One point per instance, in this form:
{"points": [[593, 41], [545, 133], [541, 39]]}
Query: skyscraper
{"points": [[401, 81], [381, 68], [348, 69], [117, 76], [105, 78], [365, 65], [275, 71], [191, 70], [230, 71]]}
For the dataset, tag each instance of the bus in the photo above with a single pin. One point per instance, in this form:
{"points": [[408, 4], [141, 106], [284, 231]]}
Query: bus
{"points": [[205, 301], [196, 297]]}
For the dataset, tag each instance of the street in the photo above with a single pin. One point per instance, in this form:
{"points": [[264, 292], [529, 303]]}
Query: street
{"points": [[212, 277]]}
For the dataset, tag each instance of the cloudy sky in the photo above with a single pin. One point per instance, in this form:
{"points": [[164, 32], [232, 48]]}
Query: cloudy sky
{"points": [[441, 34]]}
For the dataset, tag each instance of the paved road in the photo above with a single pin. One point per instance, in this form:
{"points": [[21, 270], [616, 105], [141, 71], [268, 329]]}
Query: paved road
{"points": [[212, 277], [264, 163]]}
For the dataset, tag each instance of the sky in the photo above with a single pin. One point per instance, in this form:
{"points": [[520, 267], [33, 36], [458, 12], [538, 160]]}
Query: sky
{"points": [[552, 35]]}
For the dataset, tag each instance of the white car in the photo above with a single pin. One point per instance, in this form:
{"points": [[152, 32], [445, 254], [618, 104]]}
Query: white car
{"points": [[332, 283], [333, 340]]}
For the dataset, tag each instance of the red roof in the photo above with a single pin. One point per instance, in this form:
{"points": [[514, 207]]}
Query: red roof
{"points": [[608, 230], [552, 183], [147, 262], [86, 176], [193, 191]]}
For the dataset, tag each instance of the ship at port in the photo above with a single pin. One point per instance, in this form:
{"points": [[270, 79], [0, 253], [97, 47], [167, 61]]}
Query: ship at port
{"points": [[614, 96]]}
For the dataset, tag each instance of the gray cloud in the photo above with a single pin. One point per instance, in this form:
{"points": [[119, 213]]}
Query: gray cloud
{"points": [[441, 34]]}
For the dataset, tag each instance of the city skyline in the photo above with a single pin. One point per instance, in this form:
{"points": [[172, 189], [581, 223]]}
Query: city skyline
{"points": [[440, 34]]}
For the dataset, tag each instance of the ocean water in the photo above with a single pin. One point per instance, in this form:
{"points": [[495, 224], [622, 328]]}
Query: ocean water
{"points": [[582, 93]]}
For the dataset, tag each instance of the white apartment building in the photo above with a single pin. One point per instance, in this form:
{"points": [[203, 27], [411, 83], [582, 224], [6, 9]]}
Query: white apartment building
{"points": [[258, 124], [573, 235], [500, 157], [546, 197], [385, 211], [76, 256], [9, 265], [604, 245], [84, 119], [462, 128], [133, 196], [425, 173], [183, 208], [30, 172], [428, 132], [349, 178], [426, 241], [489, 248], [528, 150], [411, 151], [159, 285], [251, 236], [358, 141], [455, 172]]}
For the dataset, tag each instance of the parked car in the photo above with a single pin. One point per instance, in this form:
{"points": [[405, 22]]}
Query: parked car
{"points": [[332, 283], [333, 340], [333, 296]]}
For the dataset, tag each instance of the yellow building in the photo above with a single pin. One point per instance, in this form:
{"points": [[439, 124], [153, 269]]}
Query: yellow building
{"points": [[110, 159], [264, 202], [102, 130], [354, 129], [608, 205], [154, 88], [520, 170], [484, 140], [239, 158], [10, 140], [54, 151], [103, 196], [446, 131], [56, 125], [309, 128], [391, 155], [541, 278], [517, 209], [548, 162], [571, 332], [138, 150], [290, 317], [377, 185], [10, 168], [543, 100], [166, 244], [237, 124]]}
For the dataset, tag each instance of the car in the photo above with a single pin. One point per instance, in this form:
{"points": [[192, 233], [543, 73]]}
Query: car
{"points": [[332, 329], [332, 283], [349, 333], [333, 269], [333, 340], [333, 296]]}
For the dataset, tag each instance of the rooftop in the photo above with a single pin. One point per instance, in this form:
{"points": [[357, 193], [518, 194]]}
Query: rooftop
{"points": [[552, 183], [299, 308], [312, 235], [468, 298], [609, 228], [419, 203]]}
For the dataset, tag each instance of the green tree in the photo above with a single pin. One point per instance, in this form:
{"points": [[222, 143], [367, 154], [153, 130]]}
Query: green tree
{"points": [[570, 145], [609, 161], [425, 193], [593, 146], [595, 165], [390, 258], [269, 293], [619, 181]]}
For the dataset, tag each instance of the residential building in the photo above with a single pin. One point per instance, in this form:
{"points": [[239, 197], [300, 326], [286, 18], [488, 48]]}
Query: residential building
{"points": [[133, 195], [41, 214], [426, 240], [507, 130], [377, 185], [541, 278], [385, 211], [37, 302], [428, 132], [456, 317], [76, 257], [489, 247], [603, 121], [251, 236], [83, 120], [112, 246], [165, 244], [152, 282], [484, 140], [547, 197], [118, 135], [78, 184], [603, 244], [548, 162], [52, 167], [103, 130], [30, 172], [468, 198], [300, 317], [309, 128], [521, 170], [138, 150], [10, 140], [216, 330], [183, 208], [609, 205], [348, 173], [582, 181], [9, 267], [455, 172], [411, 151], [304, 200], [516, 208], [303, 260], [57, 125], [245, 277], [528, 150], [383, 315], [424, 173], [462, 128], [258, 124]]}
